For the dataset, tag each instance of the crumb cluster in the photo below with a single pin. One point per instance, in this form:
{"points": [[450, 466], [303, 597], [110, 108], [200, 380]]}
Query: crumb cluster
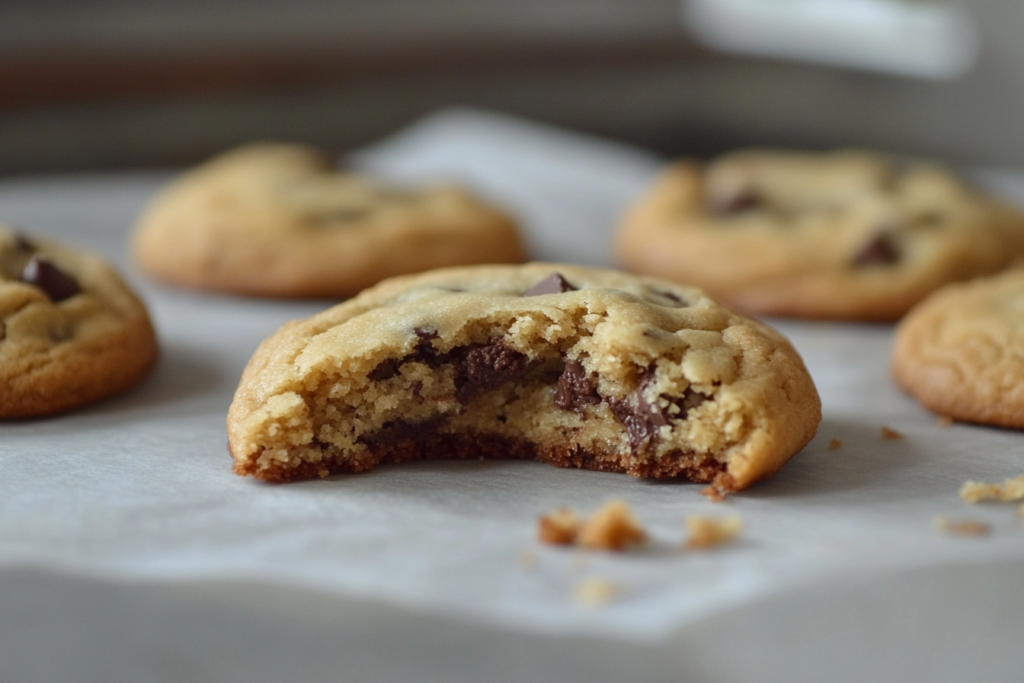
{"points": [[1011, 490], [612, 527], [712, 493]]}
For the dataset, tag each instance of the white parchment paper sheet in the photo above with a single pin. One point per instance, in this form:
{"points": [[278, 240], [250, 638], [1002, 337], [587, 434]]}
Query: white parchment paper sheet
{"points": [[140, 487]]}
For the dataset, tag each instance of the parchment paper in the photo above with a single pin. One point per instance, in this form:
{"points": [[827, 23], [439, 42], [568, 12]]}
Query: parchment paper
{"points": [[139, 487]]}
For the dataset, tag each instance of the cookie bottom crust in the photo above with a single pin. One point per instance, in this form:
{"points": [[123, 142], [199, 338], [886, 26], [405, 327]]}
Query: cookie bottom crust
{"points": [[700, 468]]}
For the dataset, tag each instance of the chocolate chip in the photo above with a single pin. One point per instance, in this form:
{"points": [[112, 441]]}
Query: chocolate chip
{"points": [[880, 250], [575, 389], [552, 284], [476, 368], [487, 367], [42, 273], [642, 420], [385, 370], [735, 202], [426, 334], [635, 419]]}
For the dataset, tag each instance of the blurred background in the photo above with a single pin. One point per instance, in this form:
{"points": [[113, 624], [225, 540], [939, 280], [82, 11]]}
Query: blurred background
{"points": [[95, 84]]}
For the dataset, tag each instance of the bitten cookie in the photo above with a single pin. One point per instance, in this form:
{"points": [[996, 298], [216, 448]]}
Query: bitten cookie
{"points": [[573, 366], [960, 352], [842, 235], [278, 220], [71, 332]]}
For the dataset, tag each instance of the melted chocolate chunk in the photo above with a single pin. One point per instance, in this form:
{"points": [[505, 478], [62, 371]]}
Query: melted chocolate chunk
{"points": [[476, 368], [426, 334], [880, 250], [636, 420], [575, 389], [552, 284], [483, 368], [385, 370], [399, 431], [42, 273], [642, 420], [425, 351], [736, 202]]}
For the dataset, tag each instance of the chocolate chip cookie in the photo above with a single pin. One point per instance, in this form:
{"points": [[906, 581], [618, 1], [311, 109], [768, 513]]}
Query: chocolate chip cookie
{"points": [[278, 220], [573, 366], [843, 235], [71, 332], [960, 352]]}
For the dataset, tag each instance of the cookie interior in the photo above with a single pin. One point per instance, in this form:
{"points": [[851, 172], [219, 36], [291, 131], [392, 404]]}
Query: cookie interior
{"points": [[597, 379]]}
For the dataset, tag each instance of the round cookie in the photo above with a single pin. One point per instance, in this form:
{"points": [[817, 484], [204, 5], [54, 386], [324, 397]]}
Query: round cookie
{"points": [[574, 366], [960, 352], [278, 220], [71, 332], [842, 235]]}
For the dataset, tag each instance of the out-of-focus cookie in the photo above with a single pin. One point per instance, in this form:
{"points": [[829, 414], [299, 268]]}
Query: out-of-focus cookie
{"points": [[574, 366], [842, 235], [71, 332], [278, 220], [960, 352]]}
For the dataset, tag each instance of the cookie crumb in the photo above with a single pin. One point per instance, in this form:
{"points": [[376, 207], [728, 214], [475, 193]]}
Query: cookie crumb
{"points": [[835, 444], [944, 421], [1009, 491], [559, 527], [612, 527], [891, 434], [595, 592], [963, 528], [713, 494], [708, 532]]}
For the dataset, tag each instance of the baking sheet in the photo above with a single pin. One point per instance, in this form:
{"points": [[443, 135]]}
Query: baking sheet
{"points": [[139, 488]]}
